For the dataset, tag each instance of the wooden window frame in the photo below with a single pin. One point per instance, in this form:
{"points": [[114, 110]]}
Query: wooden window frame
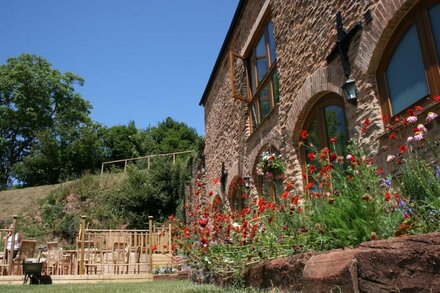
{"points": [[249, 61], [266, 80], [418, 16]]}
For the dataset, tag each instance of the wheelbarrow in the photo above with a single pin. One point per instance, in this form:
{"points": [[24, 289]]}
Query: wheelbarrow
{"points": [[32, 272]]}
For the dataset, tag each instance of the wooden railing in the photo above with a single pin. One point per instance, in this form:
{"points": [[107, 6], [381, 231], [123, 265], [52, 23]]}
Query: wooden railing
{"points": [[98, 251], [101, 251], [6, 256], [147, 158]]}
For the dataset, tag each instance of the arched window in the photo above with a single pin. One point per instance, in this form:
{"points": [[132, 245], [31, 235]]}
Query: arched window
{"points": [[269, 184], [237, 200], [326, 121], [409, 72]]}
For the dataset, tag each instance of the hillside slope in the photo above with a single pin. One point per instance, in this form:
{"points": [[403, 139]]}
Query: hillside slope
{"points": [[22, 201]]}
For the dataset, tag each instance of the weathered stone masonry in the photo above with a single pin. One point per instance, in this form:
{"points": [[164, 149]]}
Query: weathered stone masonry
{"points": [[305, 35]]}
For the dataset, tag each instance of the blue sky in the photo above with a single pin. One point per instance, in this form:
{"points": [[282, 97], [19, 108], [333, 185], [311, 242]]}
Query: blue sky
{"points": [[142, 60]]}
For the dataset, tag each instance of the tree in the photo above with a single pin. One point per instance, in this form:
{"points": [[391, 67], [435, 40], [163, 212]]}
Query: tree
{"points": [[172, 136], [37, 103]]}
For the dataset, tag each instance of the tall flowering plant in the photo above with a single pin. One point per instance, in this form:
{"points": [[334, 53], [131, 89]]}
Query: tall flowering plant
{"points": [[271, 165]]}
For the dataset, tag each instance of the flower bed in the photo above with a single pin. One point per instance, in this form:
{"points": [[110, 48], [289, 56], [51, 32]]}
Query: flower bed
{"points": [[347, 200]]}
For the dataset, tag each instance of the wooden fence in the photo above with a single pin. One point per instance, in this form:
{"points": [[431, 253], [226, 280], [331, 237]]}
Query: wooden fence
{"points": [[98, 251]]}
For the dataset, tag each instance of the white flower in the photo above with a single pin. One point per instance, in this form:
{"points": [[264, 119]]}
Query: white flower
{"points": [[422, 128], [431, 117], [411, 119], [409, 139], [349, 157], [390, 158]]}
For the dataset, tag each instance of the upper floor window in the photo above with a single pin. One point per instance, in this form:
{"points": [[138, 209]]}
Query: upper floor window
{"points": [[409, 72], [254, 76], [264, 85]]}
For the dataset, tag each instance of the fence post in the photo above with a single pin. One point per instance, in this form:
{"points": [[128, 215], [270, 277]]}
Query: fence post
{"points": [[82, 229], [102, 169], [169, 238], [150, 255], [125, 166], [11, 250]]}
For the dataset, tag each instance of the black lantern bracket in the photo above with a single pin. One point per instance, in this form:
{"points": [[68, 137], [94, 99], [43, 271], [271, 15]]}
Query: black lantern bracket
{"points": [[343, 40], [223, 178]]}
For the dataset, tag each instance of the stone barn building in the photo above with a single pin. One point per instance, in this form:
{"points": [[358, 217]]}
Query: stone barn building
{"points": [[281, 70]]}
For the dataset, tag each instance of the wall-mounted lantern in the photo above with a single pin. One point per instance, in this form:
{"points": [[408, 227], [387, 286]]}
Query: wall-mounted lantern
{"points": [[343, 40], [247, 182]]}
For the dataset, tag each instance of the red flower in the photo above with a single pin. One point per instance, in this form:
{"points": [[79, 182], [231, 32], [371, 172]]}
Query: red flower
{"points": [[392, 135], [289, 186], [333, 140], [387, 196], [311, 156], [324, 153], [402, 149], [171, 217], [410, 112], [312, 169], [304, 134], [215, 181], [396, 119], [436, 98], [284, 195], [379, 171], [366, 122], [295, 200], [203, 222], [333, 156], [310, 185], [384, 119], [199, 183], [418, 108]]}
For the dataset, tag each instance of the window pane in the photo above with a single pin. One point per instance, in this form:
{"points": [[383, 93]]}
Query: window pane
{"points": [[271, 42], [261, 68], [276, 86], [263, 97], [406, 73], [335, 126], [254, 115], [313, 138], [434, 14], [251, 69], [260, 50]]}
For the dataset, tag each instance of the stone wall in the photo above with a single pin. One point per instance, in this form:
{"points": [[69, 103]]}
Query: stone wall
{"points": [[406, 264], [305, 35]]}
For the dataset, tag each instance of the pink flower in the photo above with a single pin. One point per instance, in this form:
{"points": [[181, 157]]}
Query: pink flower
{"points": [[349, 157], [410, 139], [411, 119], [390, 158], [431, 117], [418, 136]]}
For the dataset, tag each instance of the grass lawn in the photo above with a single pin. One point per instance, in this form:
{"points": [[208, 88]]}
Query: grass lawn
{"points": [[156, 287]]}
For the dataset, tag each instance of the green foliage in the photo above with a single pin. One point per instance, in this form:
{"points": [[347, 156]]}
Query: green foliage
{"points": [[420, 184], [356, 210], [35, 101]]}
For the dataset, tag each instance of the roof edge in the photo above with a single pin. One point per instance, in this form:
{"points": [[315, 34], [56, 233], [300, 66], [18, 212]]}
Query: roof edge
{"points": [[234, 21]]}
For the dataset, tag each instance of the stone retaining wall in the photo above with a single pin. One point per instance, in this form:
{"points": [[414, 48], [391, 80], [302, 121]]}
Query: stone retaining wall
{"points": [[404, 264]]}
